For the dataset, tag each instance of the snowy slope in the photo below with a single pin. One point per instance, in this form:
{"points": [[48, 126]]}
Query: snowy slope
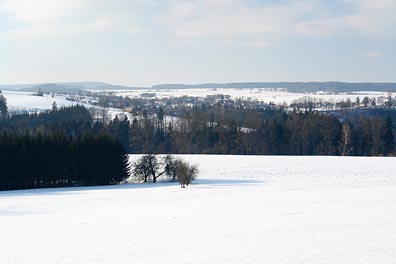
{"points": [[243, 209], [27, 101]]}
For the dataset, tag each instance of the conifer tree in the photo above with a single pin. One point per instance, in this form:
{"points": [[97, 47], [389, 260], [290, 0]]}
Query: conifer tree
{"points": [[3, 105]]}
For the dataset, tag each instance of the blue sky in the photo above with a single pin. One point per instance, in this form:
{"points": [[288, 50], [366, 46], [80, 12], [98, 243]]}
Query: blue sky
{"points": [[145, 42]]}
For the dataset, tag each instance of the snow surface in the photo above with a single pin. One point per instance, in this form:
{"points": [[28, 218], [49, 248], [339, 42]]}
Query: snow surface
{"points": [[267, 95], [28, 101], [242, 209]]}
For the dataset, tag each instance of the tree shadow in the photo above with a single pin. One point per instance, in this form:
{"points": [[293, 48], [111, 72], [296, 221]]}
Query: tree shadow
{"points": [[11, 213], [75, 190], [125, 186], [227, 182]]}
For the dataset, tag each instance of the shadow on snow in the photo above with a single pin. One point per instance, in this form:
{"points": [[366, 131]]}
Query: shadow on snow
{"points": [[75, 190]]}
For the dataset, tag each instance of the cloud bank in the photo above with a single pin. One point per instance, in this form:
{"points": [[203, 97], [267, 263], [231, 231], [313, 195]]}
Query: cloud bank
{"points": [[251, 23]]}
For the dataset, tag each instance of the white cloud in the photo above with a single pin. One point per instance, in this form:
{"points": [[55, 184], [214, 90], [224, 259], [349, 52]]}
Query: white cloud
{"points": [[374, 54], [250, 23], [373, 5], [367, 18], [254, 22], [68, 17], [319, 27], [40, 10], [222, 20], [258, 44]]}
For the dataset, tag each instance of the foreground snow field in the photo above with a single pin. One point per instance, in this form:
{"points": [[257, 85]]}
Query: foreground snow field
{"points": [[242, 209]]}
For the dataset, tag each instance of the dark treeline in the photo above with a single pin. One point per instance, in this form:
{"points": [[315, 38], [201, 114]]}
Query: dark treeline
{"points": [[263, 133], [72, 121], [218, 129], [37, 161]]}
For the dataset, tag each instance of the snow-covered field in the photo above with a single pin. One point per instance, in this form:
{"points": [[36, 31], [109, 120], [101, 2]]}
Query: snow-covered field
{"points": [[266, 95], [242, 209], [277, 96], [27, 101], [21, 102]]}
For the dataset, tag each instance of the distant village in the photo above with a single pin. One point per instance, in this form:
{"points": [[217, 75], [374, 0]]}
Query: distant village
{"points": [[149, 101]]}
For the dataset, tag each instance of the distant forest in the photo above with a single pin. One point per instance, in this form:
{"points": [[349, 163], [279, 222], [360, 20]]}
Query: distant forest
{"points": [[217, 129]]}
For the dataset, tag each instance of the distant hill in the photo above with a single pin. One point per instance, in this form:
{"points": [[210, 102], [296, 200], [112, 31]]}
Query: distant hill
{"points": [[296, 87], [189, 86], [68, 87], [54, 88], [97, 86], [15, 87]]}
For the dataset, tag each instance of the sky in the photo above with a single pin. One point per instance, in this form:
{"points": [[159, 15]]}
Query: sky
{"points": [[146, 42]]}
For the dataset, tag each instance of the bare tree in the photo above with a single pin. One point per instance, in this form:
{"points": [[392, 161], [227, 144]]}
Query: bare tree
{"points": [[147, 168], [378, 144], [141, 171], [180, 170], [185, 173], [346, 138]]}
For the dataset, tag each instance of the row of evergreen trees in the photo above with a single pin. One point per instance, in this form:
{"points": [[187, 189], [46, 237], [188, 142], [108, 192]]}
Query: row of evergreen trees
{"points": [[37, 161]]}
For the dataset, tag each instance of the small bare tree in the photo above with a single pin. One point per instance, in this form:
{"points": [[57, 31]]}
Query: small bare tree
{"points": [[178, 169], [185, 173], [346, 139]]}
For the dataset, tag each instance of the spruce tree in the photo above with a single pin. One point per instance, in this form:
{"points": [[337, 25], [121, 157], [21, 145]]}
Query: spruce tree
{"points": [[3, 105]]}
